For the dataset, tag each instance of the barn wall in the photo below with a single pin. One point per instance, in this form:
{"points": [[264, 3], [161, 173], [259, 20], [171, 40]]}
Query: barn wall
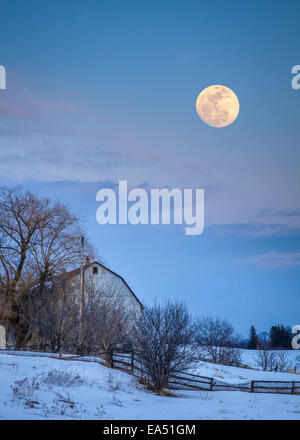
{"points": [[106, 281]]}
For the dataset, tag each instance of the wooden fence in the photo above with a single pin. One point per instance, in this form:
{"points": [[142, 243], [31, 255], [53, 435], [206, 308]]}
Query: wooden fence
{"points": [[277, 387], [129, 362]]}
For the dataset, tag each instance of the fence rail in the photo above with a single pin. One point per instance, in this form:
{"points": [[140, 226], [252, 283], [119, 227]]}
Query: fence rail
{"points": [[277, 387], [231, 387], [130, 363]]}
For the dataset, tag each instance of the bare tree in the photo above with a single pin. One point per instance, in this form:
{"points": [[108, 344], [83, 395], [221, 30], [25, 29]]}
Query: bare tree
{"points": [[53, 316], [282, 360], [263, 338], [164, 341], [55, 321], [107, 321], [266, 358], [38, 238], [272, 359], [21, 216], [58, 244], [217, 341]]}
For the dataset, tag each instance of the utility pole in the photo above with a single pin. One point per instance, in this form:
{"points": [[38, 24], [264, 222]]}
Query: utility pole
{"points": [[82, 286]]}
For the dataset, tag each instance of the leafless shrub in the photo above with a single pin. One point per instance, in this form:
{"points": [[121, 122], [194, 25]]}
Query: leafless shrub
{"points": [[52, 315], [113, 383], [62, 378], [265, 357], [24, 389], [217, 341], [116, 401], [117, 382], [64, 405], [282, 361], [164, 341], [107, 321], [65, 398], [100, 411]]}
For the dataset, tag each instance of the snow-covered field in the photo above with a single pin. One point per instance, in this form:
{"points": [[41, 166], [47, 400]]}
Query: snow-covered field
{"points": [[60, 389], [249, 357], [238, 376]]}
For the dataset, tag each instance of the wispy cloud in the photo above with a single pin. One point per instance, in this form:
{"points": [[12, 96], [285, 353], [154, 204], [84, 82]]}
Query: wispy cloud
{"points": [[256, 229], [19, 103], [278, 213], [53, 140], [273, 260]]}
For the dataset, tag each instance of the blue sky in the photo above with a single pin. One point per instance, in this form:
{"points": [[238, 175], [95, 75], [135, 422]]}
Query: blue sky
{"points": [[99, 91]]}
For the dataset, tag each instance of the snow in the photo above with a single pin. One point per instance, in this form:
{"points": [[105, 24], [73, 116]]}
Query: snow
{"points": [[249, 357], [93, 391], [240, 376]]}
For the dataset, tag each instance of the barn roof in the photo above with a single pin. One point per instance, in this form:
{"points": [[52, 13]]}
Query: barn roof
{"points": [[76, 272]]}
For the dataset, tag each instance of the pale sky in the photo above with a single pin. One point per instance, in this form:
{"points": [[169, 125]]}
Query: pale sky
{"points": [[102, 91]]}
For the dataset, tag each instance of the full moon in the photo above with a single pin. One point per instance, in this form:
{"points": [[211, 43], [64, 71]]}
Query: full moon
{"points": [[217, 106]]}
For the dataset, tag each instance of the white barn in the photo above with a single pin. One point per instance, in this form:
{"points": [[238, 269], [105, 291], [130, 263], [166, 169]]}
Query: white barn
{"points": [[105, 280]]}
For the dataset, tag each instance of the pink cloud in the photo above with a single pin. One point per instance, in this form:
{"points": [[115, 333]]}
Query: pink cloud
{"points": [[19, 103]]}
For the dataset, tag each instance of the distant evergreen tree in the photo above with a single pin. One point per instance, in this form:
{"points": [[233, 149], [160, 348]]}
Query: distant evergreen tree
{"points": [[274, 336], [253, 339], [280, 337]]}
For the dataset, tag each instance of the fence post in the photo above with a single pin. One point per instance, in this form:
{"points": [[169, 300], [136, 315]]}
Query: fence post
{"points": [[111, 358], [141, 371], [212, 383], [293, 387], [252, 386], [132, 362]]}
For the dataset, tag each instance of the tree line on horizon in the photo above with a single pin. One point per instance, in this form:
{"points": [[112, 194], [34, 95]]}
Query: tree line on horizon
{"points": [[278, 337]]}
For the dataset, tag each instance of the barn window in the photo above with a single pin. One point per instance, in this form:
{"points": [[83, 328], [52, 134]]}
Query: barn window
{"points": [[95, 270]]}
